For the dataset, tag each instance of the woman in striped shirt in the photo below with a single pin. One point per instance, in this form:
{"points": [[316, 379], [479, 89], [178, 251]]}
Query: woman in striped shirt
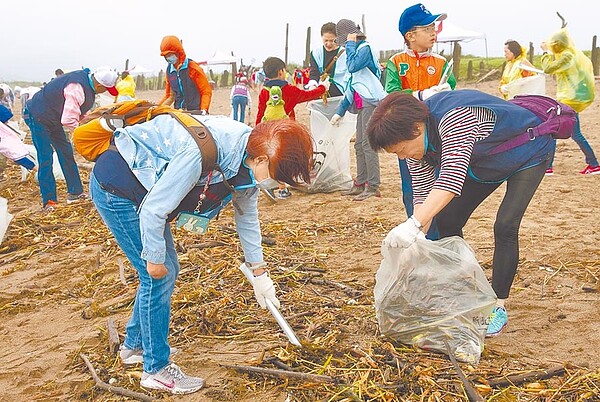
{"points": [[448, 141]]}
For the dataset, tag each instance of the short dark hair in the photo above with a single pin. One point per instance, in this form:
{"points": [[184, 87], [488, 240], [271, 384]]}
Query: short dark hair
{"points": [[328, 27], [272, 65], [514, 47], [395, 119], [58, 72]]}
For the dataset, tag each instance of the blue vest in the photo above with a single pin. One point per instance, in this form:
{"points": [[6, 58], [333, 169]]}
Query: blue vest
{"points": [[47, 105], [187, 96], [511, 121]]}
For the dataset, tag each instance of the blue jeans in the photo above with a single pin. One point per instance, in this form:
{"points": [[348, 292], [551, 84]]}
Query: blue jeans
{"points": [[239, 103], [148, 327], [585, 147], [44, 141], [407, 198]]}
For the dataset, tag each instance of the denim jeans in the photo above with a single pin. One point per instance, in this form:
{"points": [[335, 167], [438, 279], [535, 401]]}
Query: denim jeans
{"points": [[239, 103], [585, 147], [148, 327], [44, 140]]}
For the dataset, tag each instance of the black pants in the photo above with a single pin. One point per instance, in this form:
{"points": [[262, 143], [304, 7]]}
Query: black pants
{"points": [[520, 189]]}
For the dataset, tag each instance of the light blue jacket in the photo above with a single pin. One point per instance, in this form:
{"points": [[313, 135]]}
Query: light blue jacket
{"points": [[363, 67], [167, 162]]}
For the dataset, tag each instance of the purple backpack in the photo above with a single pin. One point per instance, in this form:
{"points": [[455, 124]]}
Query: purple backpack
{"points": [[558, 120]]}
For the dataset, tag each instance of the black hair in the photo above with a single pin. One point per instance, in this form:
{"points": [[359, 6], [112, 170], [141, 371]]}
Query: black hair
{"points": [[328, 27], [271, 67], [514, 47]]}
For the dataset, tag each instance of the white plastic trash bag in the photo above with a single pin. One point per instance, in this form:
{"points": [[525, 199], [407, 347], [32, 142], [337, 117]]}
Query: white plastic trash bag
{"points": [[532, 85], [56, 169], [331, 171], [431, 291], [5, 218]]}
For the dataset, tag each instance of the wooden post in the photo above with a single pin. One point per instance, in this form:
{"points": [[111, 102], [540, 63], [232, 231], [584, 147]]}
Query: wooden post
{"points": [[287, 34], [470, 70], [364, 25], [481, 68], [127, 64], [307, 50], [530, 53], [595, 56], [161, 80], [456, 56]]}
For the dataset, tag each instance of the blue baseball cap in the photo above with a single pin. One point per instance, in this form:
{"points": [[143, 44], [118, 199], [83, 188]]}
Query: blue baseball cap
{"points": [[417, 16]]}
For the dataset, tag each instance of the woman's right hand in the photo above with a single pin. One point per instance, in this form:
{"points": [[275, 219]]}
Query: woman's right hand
{"points": [[156, 271]]}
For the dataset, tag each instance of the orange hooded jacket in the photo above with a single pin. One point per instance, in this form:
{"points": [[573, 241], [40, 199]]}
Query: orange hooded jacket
{"points": [[172, 44]]}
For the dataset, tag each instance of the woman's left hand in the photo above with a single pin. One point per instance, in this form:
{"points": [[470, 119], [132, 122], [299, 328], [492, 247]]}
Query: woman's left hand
{"points": [[156, 271]]}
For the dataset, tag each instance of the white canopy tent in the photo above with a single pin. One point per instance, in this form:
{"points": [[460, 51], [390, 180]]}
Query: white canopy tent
{"points": [[221, 57], [138, 69], [452, 33]]}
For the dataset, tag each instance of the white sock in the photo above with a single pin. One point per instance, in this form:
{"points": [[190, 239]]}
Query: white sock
{"points": [[500, 302]]}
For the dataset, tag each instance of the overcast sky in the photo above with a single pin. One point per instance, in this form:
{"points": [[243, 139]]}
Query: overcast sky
{"points": [[38, 36]]}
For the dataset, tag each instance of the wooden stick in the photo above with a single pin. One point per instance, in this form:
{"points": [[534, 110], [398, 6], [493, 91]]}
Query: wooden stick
{"points": [[535, 375], [113, 337], [472, 393], [115, 390], [282, 373]]}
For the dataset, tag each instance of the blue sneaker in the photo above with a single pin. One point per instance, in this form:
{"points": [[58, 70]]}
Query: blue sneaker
{"points": [[498, 321]]}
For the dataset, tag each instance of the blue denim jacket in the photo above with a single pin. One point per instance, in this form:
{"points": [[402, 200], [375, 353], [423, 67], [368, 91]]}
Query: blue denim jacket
{"points": [[167, 162]]}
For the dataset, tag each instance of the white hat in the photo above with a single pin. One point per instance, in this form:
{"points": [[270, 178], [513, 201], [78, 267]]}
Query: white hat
{"points": [[107, 77]]}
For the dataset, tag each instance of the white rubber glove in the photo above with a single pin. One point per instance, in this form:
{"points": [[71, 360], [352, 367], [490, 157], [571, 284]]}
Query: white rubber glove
{"points": [[203, 112], [326, 83], [503, 89], [404, 234], [264, 289], [335, 120], [312, 84], [427, 93]]}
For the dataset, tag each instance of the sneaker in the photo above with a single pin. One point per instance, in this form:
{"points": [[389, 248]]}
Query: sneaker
{"points": [[369, 192], [134, 356], [355, 190], [50, 206], [589, 169], [71, 198], [284, 193], [498, 321], [549, 172], [170, 378]]}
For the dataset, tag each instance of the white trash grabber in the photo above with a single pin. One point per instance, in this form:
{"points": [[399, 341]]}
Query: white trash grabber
{"points": [[287, 330]]}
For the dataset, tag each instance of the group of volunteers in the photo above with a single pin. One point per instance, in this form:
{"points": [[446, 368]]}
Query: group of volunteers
{"points": [[184, 165]]}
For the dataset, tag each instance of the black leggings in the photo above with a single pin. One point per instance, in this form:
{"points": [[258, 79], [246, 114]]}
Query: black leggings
{"points": [[520, 189]]}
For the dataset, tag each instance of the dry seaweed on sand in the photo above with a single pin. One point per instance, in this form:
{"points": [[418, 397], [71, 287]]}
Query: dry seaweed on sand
{"points": [[216, 322]]}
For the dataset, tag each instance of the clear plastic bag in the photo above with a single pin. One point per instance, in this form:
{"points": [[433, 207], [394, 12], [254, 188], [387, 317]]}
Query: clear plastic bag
{"points": [[5, 218], [331, 170], [431, 291]]}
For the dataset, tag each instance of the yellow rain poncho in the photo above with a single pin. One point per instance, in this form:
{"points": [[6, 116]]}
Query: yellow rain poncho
{"points": [[573, 69], [513, 72], [126, 87]]}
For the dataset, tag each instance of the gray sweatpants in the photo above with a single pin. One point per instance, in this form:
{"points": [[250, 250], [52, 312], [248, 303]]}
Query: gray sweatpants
{"points": [[367, 160]]}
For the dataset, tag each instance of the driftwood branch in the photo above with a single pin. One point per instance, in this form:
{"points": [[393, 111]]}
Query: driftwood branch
{"points": [[472, 393], [115, 390], [113, 337], [562, 19], [517, 379], [283, 373]]}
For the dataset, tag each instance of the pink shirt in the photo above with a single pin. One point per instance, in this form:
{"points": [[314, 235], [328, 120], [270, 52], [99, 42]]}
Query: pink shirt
{"points": [[74, 98]]}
